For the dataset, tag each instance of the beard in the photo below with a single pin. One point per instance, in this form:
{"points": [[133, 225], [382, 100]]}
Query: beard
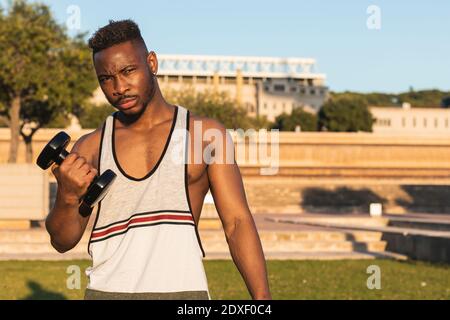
{"points": [[133, 114]]}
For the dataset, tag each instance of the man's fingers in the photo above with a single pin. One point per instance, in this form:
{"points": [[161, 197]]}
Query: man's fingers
{"points": [[54, 168], [91, 175], [80, 162], [85, 168], [70, 159]]}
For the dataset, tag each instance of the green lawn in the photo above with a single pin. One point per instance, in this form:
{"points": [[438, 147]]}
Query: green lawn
{"points": [[344, 279]]}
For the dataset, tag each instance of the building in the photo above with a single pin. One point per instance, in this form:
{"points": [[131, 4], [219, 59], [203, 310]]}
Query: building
{"points": [[411, 121], [263, 86]]}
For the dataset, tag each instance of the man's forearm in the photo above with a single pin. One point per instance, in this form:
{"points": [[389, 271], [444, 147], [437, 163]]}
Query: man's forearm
{"points": [[64, 224], [246, 250]]}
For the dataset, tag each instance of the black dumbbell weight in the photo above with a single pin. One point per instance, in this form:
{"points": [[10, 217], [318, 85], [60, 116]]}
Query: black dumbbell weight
{"points": [[55, 152]]}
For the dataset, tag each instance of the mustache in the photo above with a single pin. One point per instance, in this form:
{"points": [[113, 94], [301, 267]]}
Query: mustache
{"points": [[124, 97]]}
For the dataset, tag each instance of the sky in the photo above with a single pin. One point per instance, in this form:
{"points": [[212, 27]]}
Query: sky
{"points": [[391, 47]]}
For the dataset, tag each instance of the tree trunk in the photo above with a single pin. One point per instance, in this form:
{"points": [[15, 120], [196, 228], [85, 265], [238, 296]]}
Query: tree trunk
{"points": [[29, 150], [14, 116], [28, 139]]}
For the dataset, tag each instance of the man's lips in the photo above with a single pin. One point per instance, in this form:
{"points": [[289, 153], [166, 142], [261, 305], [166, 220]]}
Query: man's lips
{"points": [[127, 102]]}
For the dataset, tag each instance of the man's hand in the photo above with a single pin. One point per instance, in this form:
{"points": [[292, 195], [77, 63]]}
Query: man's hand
{"points": [[74, 176]]}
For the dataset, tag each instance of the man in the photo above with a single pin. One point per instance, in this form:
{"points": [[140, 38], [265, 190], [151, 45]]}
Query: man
{"points": [[145, 241]]}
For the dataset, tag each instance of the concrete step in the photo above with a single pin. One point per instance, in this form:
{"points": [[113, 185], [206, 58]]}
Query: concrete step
{"points": [[416, 243], [270, 255], [361, 221], [35, 248], [419, 224], [306, 246], [35, 243], [29, 235], [361, 236], [40, 235], [220, 246], [49, 256]]}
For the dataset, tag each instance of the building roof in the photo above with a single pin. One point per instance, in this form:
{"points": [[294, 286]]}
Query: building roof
{"points": [[257, 67]]}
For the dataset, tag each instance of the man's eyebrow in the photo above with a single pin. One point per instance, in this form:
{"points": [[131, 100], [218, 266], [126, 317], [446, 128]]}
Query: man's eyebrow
{"points": [[132, 65]]}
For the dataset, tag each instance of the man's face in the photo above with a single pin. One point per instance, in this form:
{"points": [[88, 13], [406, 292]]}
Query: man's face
{"points": [[124, 74]]}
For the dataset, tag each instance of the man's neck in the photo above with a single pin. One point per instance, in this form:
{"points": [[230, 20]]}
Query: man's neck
{"points": [[157, 111]]}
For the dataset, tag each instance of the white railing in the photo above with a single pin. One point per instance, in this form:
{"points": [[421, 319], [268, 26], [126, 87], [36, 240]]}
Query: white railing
{"points": [[264, 67]]}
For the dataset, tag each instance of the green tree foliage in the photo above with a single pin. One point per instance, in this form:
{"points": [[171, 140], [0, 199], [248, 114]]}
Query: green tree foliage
{"points": [[422, 98], [260, 122], [92, 116], [43, 72], [288, 122], [60, 121], [445, 102], [215, 105], [371, 99], [345, 115]]}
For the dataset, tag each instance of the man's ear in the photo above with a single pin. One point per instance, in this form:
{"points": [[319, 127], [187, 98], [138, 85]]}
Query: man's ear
{"points": [[152, 62]]}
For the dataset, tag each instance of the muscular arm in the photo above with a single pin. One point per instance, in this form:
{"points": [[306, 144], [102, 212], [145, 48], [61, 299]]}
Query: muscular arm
{"points": [[64, 223], [240, 230]]}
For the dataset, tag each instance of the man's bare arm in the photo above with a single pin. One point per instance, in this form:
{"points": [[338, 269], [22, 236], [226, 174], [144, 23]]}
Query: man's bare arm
{"points": [[240, 230], [64, 223]]}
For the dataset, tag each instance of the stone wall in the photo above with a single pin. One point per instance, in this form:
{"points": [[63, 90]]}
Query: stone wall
{"points": [[284, 195], [334, 172]]}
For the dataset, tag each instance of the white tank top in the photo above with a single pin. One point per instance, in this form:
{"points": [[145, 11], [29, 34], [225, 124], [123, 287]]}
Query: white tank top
{"points": [[145, 238]]}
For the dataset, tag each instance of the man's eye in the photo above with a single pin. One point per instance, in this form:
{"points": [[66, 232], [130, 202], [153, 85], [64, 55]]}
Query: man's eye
{"points": [[102, 80], [128, 71]]}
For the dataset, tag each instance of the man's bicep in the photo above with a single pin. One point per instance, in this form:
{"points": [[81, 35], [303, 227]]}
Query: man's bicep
{"points": [[228, 192], [86, 146]]}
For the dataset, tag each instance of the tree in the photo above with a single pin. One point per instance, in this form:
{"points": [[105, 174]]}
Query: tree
{"points": [[215, 105], [260, 122], [288, 122], [347, 115], [421, 98], [93, 116], [43, 73], [445, 103], [372, 99]]}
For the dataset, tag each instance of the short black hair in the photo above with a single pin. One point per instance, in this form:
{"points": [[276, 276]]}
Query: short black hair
{"points": [[113, 33]]}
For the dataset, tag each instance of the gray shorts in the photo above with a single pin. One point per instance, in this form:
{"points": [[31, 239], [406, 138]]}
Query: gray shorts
{"points": [[182, 295]]}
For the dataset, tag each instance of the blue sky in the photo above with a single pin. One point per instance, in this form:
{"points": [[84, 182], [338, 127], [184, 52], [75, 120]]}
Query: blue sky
{"points": [[412, 47]]}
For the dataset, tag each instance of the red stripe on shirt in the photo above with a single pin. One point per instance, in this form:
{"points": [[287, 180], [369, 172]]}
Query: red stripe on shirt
{"points": [[139, 220]]}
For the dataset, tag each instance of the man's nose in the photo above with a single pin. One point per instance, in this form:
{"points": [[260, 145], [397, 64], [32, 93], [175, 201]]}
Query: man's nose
{"points": [[120, 87]]}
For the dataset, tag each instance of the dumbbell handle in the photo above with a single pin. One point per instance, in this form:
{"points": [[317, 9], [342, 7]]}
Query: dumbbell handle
{"points": [[61, 156]]}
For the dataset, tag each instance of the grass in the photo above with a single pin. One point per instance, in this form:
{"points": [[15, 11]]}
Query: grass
{"points": [[345, 279]]}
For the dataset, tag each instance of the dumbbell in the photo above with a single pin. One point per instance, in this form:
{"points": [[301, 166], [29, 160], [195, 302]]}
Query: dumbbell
{"points": [[55, 152]]}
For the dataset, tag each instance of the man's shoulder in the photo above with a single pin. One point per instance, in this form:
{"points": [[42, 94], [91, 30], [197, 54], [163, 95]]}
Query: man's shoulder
{"points": [[206, 123], [88, 144], [214, 136], [91, 138]]}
